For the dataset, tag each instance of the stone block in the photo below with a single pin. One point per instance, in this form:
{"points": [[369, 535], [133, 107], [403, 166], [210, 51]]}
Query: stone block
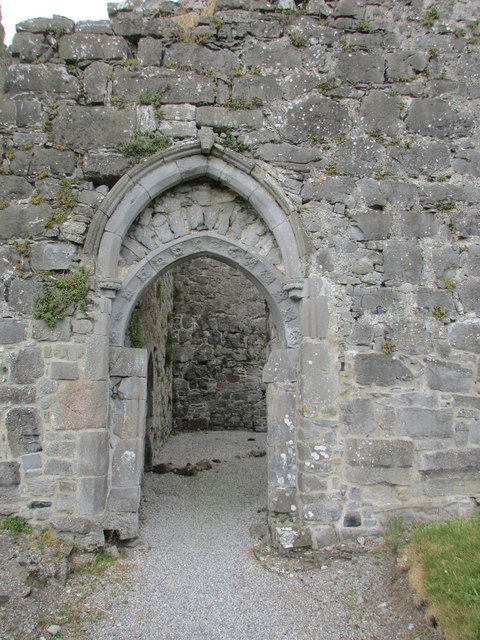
{"points": [[127, 463], [92, 453], [380, 369], [92, 495], [381, 111], [450, 472], [40, 486], [425, 159], [104, 166], [59, 467], [314, 115], [125, 499], [65, 502], [84, 128], [359, 157], [223, 119], [323, 536], [448, 376], [280, 367], [95, 365], [267, 88], [90, 46], [41, 79], [28, 112], [52, 256], [46, 25], [24, 429], [356, 417], [361, 67], [288, 153], [469, 293], [370, 462], [7, 115], [465, 336], [80, 405], [436, 118], [126, 362], [12, 330], [135, 388], [22, 394], [62, 370], [281, 499], [23, 293], [14, 188], [25, 366], [150, 52], [323, 510], [31, 462], [418, 225], [419, 422], [54, 161], [202, 59], [128, 418], [61, 331], [403, 262], [95, 82], [26, 221], [278, 54], [332, 189], [318, 387], [373, 225], [405, 65], [9, 474]]}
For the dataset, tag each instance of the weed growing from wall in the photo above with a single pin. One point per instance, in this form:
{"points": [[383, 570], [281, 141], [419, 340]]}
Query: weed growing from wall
{"points": [[135, 331], [144, 144], [59, 294]]}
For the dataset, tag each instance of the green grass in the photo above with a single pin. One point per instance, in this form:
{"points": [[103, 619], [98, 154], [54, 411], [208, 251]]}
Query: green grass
{"points": [[444, 564], [15, 526]]}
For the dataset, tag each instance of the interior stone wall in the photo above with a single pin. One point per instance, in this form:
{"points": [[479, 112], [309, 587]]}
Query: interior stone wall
{"points": [[221, 329], [366, 115]]}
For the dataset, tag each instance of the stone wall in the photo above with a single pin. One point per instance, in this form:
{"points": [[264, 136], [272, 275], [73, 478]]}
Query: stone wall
{"points": [[220, 325], [361, 118]]}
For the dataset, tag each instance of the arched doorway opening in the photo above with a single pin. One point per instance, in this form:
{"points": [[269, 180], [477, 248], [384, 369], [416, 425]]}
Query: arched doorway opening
{"points": [[260, 240]]}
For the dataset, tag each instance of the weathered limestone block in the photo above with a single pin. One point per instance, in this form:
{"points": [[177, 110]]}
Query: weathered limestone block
{"points": [[427, 423], [90, 46], [465, 336], [266, 88], [379, 461], [405, 65], [85, 127], [150, 52], [27, 112], [125, 362], [25, 221], [403, 262], [467, 162], [175, 87], [127, 417], [373, 225], [93, 26], [450, 472], [224, 119], [80, 405], [124, 499], [61, 331], [325, 509], [288, 154], [436, 118], [9, 474], [47, 25], [92, 495], [356, 417], [41, 78], [361, 67], [95, 82], [127, 463], [350, 9], [312, 116], [52, 256], [279, 54], [25, 366], [28, 47], [23, 293], [469, 293], [425, 159], [15, 188], [62, 370], [428, 299], [380, 369], [418, 225], [185, 54], [22, 394], [447, 376], [380, 193], [24, 428], [55, 162], [93, 452], [104, 166], [7, 114], [359, 157], [12, 330], [333, 189], [381, 111]]}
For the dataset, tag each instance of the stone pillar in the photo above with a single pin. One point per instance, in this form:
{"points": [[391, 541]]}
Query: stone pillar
{"points": [[128, 378], [280, 377]]}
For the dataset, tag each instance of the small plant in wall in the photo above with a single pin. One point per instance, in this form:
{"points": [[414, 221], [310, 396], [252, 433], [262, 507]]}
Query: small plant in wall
{"points": [[135, 331], [60, 292], [387, 346]]}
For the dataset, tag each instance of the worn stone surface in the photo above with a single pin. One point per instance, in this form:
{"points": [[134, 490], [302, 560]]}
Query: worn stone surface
{"points": [[23, 430]]}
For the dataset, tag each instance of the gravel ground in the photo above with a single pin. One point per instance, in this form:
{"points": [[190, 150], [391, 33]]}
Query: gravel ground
{"points": [[194, 574]]}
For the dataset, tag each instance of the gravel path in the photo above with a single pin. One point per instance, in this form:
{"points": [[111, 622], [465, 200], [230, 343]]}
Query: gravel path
{"points": [[194, 575]]}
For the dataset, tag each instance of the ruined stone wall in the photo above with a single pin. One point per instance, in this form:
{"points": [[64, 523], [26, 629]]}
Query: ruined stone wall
{"points": [[220, 324], [150, 329], [366, 113]]}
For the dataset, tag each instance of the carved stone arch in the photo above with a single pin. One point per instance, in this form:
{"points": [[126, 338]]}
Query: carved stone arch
{"points": [[267, 279]]}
